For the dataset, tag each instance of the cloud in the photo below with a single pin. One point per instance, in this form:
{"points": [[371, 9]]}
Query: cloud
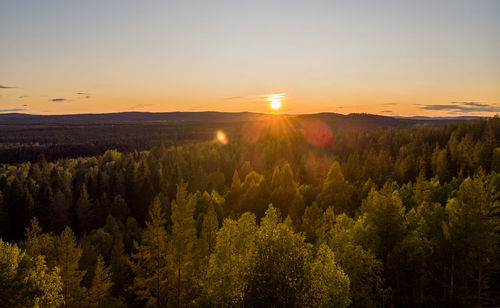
{"points": [[255, 97], [23, 96], [12, 110], [463, 107], [474, 104], [235, 97], [24, 105], [139, 106], [389, 104], [386, 111], [6, 87], [58, 100], [84, 94]]}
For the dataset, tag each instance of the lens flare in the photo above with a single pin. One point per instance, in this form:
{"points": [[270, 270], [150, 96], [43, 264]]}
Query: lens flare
{"points": [[221, 137], [316, 132]]}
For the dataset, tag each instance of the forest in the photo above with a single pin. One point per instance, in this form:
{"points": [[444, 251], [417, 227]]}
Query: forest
{"points": [[262, 214], [26, 137]]}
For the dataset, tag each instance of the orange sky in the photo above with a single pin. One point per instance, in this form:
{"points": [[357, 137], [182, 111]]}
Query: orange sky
{"points": [[427, 58]]}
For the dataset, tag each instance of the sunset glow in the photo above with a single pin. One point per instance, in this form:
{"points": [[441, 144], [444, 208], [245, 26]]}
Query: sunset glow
{"points": [[275, 102], [342, 57]]}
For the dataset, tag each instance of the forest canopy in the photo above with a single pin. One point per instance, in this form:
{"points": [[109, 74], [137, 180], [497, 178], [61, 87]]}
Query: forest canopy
{"points": [[406, 216]]}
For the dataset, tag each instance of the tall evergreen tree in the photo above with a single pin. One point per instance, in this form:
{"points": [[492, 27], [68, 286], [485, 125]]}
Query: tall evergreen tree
{"points": [[336, 192], [66, 255], [149, 261], [37, 243], [285, 194], [99, 292], [181, 248], [385, 223], [209, 229], [471, 234]]}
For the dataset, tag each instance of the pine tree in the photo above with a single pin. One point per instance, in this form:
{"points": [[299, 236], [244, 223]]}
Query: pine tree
{"points": [[181, 249], [119, 209], [119, 264], [120, 268], [335, 191], [441, 165], [312, 221], [84, 212], [99, 292], [495, 160], [59, 212], [27, 281], [385, 221], [233, 196], [4, 218], [285, 194], [470, 233], [209, 229], [66, 256], [149, 262], [38, 243]]}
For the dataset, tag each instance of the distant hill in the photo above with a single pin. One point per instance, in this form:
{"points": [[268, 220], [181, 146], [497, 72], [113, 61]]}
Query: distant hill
{"points": [[334, 120], [125, 117], [439, 118], [372, 121], [24, 137]]}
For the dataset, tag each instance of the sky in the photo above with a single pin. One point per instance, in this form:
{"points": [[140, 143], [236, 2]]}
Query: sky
{"points": [[433, 58]]}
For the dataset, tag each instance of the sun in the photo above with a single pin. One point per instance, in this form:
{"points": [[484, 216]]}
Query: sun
{"points": [[275, 102]]}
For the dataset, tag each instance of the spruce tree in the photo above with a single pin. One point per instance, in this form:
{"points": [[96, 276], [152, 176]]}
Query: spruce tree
{"points": [[209, 229], [99, 292], [38, 243], [149, 261], [67, 253], [181, 248]]}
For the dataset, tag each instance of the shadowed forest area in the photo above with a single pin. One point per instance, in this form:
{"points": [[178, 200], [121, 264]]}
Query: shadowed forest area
{"points": [[273, 213]]}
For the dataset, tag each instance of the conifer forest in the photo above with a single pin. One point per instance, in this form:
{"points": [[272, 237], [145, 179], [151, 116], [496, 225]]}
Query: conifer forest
{"points": [[270, 213]]}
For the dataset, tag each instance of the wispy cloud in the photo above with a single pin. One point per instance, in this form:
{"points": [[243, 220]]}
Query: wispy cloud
{"points": [[386, 111], [84, 95], [6, 87], [254, 97], [474, 104], [139, 106], [463, 107], [58, 100], [13, 110], [233, 98], [23, 96]]}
